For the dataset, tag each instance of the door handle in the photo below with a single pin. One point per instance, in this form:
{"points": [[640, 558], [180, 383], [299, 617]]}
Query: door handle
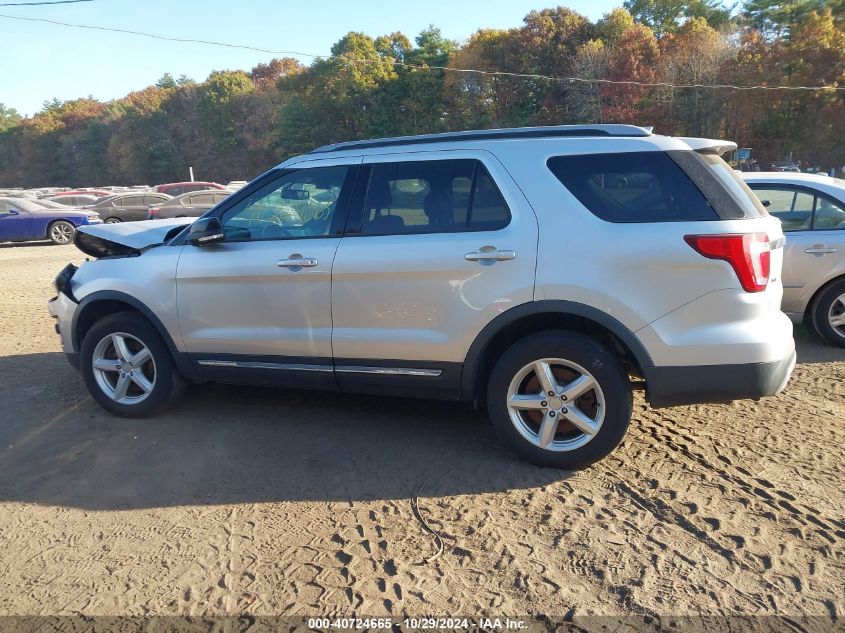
{"points": [[297, 261], [489, 255], [820, 249]]}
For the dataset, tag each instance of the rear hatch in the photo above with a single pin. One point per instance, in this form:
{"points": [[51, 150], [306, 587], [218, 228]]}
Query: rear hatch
{"points": [[755, 251]]}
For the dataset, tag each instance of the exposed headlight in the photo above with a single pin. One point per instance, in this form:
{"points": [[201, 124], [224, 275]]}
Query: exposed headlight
{"points": [[62, 281]]}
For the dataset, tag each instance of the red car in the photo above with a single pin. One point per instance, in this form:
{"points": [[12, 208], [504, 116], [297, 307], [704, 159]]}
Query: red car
{"points": [[100, 193], [178, 188]]}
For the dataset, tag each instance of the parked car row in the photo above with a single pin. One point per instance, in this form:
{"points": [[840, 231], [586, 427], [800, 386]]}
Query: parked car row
{"points": [[171, 189]]}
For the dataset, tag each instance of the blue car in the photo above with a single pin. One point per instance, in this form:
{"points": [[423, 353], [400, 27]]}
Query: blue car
{"points": [[22, 219]]}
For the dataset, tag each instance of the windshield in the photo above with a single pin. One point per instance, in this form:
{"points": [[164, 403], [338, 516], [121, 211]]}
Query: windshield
{"points": [[23, 204]]}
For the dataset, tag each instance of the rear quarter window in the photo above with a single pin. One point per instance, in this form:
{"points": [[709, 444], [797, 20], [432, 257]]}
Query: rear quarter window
{"points": [[632, 187]]}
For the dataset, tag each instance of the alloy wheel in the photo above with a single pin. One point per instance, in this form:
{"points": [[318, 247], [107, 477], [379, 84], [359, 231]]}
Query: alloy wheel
{"points": [[556, 404], [61, 233], [836, 315], [124, 368]]}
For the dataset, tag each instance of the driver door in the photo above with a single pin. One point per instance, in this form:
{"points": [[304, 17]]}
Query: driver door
{"points": [[259, 303], [15, 224]]}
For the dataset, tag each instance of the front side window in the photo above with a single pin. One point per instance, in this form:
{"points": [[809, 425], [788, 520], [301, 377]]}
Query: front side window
{"points": [[301, 203], [132, 201], [632, 187], [432, 197]]}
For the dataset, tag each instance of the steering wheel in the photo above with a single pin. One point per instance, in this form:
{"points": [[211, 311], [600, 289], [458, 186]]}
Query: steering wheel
{"points": [[274, 230]]}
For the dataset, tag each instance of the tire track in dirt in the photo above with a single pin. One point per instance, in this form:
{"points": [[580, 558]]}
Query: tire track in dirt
{"points": [[742, 478]]}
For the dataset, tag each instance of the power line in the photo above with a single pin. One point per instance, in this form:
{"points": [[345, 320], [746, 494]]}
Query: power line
{"points": [[38, 4], [492, 73]]}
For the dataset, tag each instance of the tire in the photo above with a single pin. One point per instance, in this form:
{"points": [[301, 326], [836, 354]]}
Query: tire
{"points": [[164, 382], [112, 221], [604, 409], [61, 232], [828, 314]]}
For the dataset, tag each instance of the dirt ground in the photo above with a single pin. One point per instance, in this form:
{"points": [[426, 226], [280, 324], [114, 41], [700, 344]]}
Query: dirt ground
{"points": [[255, 501]]}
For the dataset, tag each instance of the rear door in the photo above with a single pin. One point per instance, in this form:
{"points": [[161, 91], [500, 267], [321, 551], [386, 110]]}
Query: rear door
{"points": [[815, 242], [439, 244]]}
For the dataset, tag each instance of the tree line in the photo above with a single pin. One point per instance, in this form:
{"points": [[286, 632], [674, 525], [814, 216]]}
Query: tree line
{"points": [[236, 124]]}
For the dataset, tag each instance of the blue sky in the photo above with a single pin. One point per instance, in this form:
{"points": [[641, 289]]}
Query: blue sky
{"points": [[42, 61]]}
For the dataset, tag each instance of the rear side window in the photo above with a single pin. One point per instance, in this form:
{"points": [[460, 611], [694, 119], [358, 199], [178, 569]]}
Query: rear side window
{"points": [[132, 201], [433, 196], [632, 187], [202, 198]]}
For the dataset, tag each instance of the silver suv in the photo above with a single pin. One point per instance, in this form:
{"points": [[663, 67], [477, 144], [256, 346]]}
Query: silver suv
{"points": [[532, 272]]}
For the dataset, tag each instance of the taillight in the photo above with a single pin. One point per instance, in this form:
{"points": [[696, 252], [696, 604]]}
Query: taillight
{"points": [[748, 254], [152, 212]]}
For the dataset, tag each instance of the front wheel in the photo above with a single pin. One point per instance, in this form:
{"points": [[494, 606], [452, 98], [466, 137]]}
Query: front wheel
{"points": [[61, 232], [113, 220], [127, 367], [559, 399], [828, 314]]}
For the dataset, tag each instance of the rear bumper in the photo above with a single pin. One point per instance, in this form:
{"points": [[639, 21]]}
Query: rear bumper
{"points": [[699, 384]]}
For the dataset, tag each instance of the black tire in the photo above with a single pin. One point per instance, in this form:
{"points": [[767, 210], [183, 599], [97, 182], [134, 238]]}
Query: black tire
{"points": [[112, 221], [821, 310], [581, 350], [168, 384], [61, 232]]}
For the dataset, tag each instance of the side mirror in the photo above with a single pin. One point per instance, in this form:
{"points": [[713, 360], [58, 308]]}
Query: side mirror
{"points": [[766, 203], [206, 231], [295, 194], [14, 212]]}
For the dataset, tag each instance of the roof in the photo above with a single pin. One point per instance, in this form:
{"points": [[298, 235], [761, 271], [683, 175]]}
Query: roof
{"points": [[832, 186], [789, 176], [551, 131]]}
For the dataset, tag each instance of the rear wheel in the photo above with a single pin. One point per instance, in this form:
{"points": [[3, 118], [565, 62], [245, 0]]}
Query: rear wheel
{"points": [[61, 232], [559, 399], [829, 314], [127, 367]]}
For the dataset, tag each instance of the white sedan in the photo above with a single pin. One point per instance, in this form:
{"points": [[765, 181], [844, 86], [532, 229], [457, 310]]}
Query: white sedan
{"points": [[811, 209]]}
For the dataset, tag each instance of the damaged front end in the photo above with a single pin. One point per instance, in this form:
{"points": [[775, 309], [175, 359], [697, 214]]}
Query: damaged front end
{"points": [[128, 239]]}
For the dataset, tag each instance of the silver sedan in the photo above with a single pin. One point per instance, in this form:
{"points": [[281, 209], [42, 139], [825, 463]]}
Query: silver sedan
{"points": [[811, 209]]}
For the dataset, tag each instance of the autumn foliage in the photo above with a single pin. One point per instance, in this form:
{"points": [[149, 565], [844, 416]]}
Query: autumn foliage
{"points": [[667, 63]]}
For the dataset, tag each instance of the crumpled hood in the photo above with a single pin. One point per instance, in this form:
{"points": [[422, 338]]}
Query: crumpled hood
{"points": [[125, 238]]}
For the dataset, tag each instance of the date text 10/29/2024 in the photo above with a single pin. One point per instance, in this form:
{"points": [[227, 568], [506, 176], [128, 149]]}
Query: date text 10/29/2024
{"points": [[417, 624]]}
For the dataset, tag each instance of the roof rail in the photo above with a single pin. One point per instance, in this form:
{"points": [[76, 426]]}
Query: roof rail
{"points": [[550, 131]]}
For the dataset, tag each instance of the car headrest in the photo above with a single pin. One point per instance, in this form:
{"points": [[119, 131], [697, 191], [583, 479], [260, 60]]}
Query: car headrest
{"points": [[385, 224], [438, 207]]}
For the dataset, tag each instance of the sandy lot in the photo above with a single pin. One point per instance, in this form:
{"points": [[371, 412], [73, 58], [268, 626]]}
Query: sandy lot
{"points": [[264, 502]]}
